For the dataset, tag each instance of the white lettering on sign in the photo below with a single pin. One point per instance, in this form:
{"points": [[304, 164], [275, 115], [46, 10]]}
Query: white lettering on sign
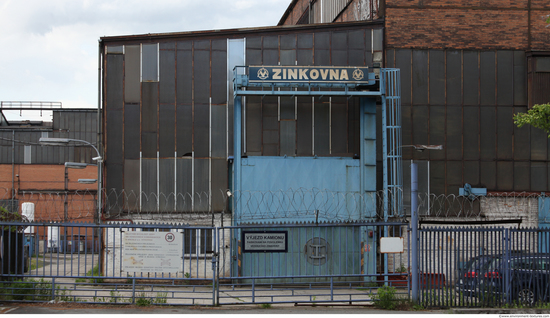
{"points": [[158, 252], [265, 242]]}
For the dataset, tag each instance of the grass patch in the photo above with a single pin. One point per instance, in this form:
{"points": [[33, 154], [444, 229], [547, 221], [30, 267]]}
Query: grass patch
{"points": [[36, 263], [32, 289], [265, 306]]}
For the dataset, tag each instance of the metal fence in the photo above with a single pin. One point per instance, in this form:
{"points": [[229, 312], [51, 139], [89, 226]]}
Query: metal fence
{"points": [[484, 266]]}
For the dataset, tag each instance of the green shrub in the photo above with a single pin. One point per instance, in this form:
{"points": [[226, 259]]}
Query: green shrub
{"points": [[385, 298]]}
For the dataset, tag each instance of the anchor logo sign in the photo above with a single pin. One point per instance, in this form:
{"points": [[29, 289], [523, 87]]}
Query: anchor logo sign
{"points": [[263, 73], [358, 75]]}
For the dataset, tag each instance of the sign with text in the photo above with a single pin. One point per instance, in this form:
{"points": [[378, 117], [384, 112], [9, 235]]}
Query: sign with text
{"points": [[265, 242], [308, 74], [159, 252]]}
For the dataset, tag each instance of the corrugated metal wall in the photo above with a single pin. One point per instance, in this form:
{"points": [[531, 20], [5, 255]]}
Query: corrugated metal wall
{"points": [[77, 124], [465, 100], [184, 118]]}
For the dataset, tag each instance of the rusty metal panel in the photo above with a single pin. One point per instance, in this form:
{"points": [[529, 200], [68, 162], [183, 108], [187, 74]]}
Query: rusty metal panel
{"points": [[304, 127], [522, 149], [184, 184], [505, 130], [219, 81], [488, 133], [304, 57], [539, 144], [339, 124], [254, 42], [253, 126], [437, 130], [322, 124], [201, 127], [437, 77], [219, 184], [403, 62], [218, 131], [420, 77], [131, 74], [539, 176], [270, 42], [149, 185], [270, 57], [287, 138], [505, 175], [471, 172], [149, 107], [321, 40], [184, 130], [505, 83], [321, 57], [113, 80], [184, 76], [357, 39], [167, 77], [113, 182], [202, 184], [201, 44], [166, 185], [488, 78], [454, 77], [167, 127], [305, 41], [114, 137], [131, 181], [288, 57], [201, 76], [471, 133], [131, 131], [522, 176], [520, 79], [471, 77], [167, 45], [488, 174], [149, 144], [356, 57], [288, 41]]}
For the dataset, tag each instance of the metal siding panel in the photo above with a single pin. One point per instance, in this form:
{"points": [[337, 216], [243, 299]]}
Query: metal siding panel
{"points": [[131, 131], [149, 185], [321, 57], [406, 130], [167, 77], [454, 133], [288, 41], [522, 178], [471, 173], [505, 81], [378, 39], [304, 57], [253, 126], [270, 42], [505, 130], [131, 74], [539, 176], [305, 41], [149, 62], [270, 127], [219, 81], [420, 122], [403, 62], [520, 81], [218, 131], [113, 79], [166, 185], [167, 127], [488, 133], [149, 107], [253, 57], [184, 89], [357, 39], [254, 42], [304, 127], [505, 176], [539, 144], [390, 58], [437, 77], [184, 184], [487, 91], [471, 133], [488, 175], [219, 184], [288, 138], [288, 57], [353, 121], [149, 144], [356, 57], [521, 137], [113, 184], [454, 78], [201, 130], [201, 74], [437, 177], [420, 77], [270, 57], [454, 173], [321, 40], [471, 77], [202, 187], [339, 124], [184, 130], [321, 113], [201, 44], [437, 130], [131, 183], [339, 58], [114, 140]]}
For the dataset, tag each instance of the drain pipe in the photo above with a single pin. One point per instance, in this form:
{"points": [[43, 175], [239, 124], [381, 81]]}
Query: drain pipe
{"points": [[12, 169], [414, 232]]}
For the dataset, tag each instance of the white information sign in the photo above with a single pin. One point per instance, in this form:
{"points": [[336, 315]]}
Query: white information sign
{"points": [[391, 245], [159, 252]]}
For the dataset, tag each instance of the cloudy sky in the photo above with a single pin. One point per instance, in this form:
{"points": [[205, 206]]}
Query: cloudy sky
{"points": [[50, 48]]}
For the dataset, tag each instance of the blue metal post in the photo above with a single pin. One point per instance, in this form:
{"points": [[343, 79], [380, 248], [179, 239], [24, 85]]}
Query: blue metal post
{"points": [[237, 150], [414, 232]]}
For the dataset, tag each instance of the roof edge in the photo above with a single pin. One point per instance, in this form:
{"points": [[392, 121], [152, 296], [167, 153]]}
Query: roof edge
{"points": [[287, 12]]}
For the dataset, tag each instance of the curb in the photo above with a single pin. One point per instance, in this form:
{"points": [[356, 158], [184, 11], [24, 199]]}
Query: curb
{"points": [[497, 311]]}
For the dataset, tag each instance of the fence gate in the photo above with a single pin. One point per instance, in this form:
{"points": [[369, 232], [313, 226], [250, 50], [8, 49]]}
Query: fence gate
{"points": [[323, 263]]}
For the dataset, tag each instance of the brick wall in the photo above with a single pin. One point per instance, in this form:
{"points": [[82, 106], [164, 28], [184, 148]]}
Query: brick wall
{"points": [[296, 13]]}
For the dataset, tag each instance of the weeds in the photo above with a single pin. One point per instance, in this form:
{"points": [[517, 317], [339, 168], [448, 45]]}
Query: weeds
{"points": [[32, 290], [385, 298], [265, 306]]}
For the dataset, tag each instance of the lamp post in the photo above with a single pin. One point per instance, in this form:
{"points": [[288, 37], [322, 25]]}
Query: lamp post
{"points": [[98, 158]]}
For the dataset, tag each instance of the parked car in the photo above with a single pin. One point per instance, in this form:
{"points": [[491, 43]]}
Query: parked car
{"points": [[529, 276]]}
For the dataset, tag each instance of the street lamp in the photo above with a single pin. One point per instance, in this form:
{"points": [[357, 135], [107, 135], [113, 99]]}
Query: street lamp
{"points": [[98, 158]]}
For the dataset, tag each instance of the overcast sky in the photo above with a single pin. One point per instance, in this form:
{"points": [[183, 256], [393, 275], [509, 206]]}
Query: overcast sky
{"points": [[50, 48]]}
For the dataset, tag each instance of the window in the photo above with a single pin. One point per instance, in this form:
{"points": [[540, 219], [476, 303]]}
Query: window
{"points": [[198, 240], [150, 62], [538, 66], [27, 155]]}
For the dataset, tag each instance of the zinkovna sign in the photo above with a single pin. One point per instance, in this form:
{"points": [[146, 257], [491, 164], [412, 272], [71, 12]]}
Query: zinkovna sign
{"points": [[265, 241], [308, 74]]}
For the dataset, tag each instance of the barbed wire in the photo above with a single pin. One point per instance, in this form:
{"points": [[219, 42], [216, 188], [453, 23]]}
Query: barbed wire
{"points": [[291, 205]]}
